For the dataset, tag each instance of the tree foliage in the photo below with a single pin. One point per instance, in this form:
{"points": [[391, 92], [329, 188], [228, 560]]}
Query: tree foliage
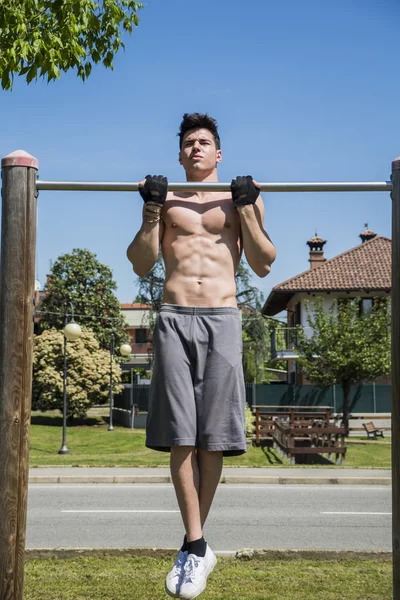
{"points": [[256, 330], [79, 278], [41, 38], [345, 347], [88, 373]]}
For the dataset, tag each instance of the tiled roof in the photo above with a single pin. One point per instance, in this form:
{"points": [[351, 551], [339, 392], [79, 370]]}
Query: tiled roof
{"points": [[365, 267]]}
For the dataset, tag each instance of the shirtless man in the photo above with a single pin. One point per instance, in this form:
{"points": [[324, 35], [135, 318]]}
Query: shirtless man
{"points": [[197, 394]]}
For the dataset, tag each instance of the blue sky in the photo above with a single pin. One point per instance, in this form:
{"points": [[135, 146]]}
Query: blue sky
{"points": [[302, 91]]}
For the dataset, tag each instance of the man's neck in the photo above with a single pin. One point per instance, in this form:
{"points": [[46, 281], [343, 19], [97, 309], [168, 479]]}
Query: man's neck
{"points": [[202, 177]]}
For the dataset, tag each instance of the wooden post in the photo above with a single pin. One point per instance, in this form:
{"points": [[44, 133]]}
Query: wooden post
{"points": [[257, 426], [17, 279], [396, 376]]}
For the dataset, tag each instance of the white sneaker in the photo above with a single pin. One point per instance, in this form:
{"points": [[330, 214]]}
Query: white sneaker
{"points": [[196, 571], [174, 578]]}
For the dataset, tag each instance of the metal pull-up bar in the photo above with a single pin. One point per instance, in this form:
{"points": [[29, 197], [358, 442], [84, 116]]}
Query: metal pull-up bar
{"points": [[306, 186], [18, 235]]}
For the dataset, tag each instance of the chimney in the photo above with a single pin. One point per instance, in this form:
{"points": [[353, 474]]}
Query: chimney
{"points": [[367, 234], [316, 245]]}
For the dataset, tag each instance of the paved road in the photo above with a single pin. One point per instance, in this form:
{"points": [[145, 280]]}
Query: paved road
{"points": [[243, 516]]}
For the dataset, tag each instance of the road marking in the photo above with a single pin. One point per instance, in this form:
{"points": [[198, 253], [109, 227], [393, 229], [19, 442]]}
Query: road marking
{"points": [[120, 511], [356, 513]]}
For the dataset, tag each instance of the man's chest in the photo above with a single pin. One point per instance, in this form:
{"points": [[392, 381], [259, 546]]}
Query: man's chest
{"points": [[212, 217]]}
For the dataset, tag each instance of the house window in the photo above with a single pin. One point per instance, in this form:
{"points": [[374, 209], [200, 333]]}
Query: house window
{"points": [[141, 336], [344, 302], [366, 306], [298, 314]]}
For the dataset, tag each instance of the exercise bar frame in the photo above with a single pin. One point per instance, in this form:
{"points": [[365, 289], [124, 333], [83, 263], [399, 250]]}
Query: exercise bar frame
{"points": [[323, 186], [20, 188]]}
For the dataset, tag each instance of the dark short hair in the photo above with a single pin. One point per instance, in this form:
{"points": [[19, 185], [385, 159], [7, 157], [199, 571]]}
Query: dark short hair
{"points": [[199, 121]]}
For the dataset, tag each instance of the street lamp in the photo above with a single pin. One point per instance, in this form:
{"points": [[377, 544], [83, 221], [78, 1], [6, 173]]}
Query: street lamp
{"points": [[72, 332], [150, 357], [125, 350]]}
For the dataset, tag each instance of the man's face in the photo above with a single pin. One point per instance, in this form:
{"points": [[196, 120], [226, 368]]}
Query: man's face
{"points": [[199, 153]]}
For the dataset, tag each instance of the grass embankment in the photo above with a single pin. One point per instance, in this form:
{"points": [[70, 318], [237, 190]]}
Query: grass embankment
{"points": [[90, 444], [124, 577]]}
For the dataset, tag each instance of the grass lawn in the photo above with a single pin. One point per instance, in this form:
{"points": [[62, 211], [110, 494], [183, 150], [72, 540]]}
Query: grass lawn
{"points": [[90, 444], [124, 577]]}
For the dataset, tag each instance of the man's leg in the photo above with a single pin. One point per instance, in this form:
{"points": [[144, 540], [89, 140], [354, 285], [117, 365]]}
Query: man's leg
{"points": [[185, 477], [195, 476], [210, 468]]}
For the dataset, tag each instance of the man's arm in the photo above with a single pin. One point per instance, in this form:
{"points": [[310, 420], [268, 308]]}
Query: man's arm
{"points": [[258, 248], [143, 251]]}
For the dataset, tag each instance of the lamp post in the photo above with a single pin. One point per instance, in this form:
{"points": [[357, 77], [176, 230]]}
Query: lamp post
{"points": [[72, 332], [150, 357], [125, 350]]}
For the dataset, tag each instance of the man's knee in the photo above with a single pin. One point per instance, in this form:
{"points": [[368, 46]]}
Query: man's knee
{"points": [[210, 454]]}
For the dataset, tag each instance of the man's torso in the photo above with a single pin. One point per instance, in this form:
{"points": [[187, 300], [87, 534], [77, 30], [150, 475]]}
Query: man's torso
{"points": [[201, 247]]}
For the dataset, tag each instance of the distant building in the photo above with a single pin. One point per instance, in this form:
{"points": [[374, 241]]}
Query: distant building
{"points": [[137, 318], [363, 271]]}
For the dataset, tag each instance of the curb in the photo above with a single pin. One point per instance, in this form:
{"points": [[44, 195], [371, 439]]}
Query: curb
{"points": [[243, 554], [232, 479]]}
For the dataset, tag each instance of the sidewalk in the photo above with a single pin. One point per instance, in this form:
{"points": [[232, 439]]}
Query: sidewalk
{"points": [[244, 475]]}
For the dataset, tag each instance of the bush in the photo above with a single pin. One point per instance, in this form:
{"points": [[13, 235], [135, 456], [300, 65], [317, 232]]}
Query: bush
{"points": [[249, 421], [88, 373]]}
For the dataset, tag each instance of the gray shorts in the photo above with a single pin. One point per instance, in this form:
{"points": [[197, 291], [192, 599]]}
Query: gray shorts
{"points": [[197, 391]]}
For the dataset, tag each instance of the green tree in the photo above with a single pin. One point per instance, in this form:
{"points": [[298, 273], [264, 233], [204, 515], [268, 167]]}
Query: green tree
{"points": [[255, 328], [79, 278], [345, 347], [88, 374], [41, 38]]}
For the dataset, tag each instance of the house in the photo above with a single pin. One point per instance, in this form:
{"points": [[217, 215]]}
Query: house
{"points": [[364, 272], [137, 319]]}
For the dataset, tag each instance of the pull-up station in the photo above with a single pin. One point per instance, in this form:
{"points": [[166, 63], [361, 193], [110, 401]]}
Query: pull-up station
{"points": [[20, 188]]}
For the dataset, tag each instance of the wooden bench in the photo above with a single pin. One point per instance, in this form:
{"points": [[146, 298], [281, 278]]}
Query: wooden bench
{"points": [[372, 431], [358, 418]]}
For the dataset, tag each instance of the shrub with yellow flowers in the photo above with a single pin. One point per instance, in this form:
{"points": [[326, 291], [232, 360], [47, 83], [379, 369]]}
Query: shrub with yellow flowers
{"points": [[88, 373]]}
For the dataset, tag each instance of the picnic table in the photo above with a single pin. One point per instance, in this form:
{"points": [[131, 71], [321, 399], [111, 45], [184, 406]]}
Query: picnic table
{"points": [[299, 431]]}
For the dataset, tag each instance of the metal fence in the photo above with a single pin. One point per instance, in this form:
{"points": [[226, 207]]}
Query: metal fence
{"points": [[364, 398], [133, 395]]}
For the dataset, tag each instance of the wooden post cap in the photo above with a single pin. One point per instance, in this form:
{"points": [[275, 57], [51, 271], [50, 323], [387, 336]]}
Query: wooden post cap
{"points": [[20, 158], [396, 164]]}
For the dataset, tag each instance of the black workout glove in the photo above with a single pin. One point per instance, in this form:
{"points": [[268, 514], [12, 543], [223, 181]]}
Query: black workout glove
{"points": [[155, 189], [244, 191]]}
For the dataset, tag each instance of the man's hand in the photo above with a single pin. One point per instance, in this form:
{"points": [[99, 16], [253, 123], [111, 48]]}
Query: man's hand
{"points": [[153, 190], [244, 191]]}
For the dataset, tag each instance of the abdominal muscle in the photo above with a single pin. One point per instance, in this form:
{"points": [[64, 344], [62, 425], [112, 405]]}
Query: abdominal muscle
{"points": [[200, 268]]}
